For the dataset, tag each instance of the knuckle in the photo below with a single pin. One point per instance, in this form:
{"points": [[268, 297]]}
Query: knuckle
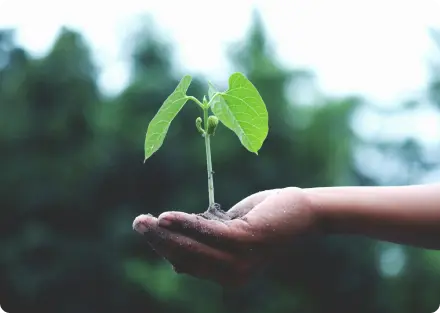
{"points": [[242, 230]]}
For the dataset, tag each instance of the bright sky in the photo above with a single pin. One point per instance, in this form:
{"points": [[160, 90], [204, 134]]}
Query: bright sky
{"points": [[377, 48]]}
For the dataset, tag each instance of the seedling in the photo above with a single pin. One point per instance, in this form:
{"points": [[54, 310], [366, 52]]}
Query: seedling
{"points": [[240, 108]]}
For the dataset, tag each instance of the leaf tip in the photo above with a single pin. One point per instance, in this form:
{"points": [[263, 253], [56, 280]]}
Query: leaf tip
{"points": [[187, 76], [146, 157]]}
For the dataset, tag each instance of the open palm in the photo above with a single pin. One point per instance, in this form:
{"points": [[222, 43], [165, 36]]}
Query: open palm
{"points": [[229, 252]]}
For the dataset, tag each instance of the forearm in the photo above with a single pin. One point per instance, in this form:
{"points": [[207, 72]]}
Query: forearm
{"points": [[407, 215]]}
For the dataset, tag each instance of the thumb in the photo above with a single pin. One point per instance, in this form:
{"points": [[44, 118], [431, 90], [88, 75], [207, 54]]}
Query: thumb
{"points": [[247, 204]]}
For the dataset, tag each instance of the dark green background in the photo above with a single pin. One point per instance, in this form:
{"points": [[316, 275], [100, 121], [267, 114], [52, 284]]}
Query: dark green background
{"points": [[72, 181]]}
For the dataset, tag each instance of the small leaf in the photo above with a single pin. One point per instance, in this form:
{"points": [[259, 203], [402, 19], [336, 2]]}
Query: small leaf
{"points": [[158, 127], [242, 110], [199, 126], [212, 125]]}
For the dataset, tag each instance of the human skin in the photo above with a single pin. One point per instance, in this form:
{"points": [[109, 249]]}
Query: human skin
{"points": [[228, 252]]}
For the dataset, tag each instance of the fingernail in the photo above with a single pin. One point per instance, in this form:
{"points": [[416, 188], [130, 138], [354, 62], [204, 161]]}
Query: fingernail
{"points": [[140, 228], [138, 225], [165, 222]]}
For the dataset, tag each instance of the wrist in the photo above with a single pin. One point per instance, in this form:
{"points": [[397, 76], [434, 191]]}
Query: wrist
{"points": [[319, 203]]}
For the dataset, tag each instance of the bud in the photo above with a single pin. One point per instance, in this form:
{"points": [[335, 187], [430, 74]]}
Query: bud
{"points": [[199, 126], [212, 124], [205, 101]]}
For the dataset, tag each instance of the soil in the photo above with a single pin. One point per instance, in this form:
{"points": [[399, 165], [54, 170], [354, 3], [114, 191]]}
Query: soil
{"points": [[214, 212]]}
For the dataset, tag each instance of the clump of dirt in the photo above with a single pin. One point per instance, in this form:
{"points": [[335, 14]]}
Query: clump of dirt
{"points": [[214, 212]]}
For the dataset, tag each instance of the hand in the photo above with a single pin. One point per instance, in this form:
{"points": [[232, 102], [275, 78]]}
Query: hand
{"points": [[229, 252]]}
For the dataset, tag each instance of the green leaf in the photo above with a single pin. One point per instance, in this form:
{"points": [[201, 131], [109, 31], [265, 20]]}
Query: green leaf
{"points": [[158, 127], [242, 110], [219, 107]]}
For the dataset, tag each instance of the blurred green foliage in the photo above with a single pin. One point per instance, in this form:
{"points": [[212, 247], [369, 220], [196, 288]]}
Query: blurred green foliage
{"points": [[73, 179]]}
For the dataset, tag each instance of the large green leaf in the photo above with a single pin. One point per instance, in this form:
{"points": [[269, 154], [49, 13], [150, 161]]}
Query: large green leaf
{"points": [[242, 110], [158, 127]]}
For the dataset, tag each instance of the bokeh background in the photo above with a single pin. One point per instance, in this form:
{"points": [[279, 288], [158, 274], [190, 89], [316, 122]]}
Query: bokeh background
{"points": [[353, 94]]}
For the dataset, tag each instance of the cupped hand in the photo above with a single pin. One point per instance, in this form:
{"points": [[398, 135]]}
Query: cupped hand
{"points": [[228, 252]]}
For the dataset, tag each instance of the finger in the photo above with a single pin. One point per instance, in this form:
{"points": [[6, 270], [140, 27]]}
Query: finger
{"points": [[228, 235], [244, 206], [143, 222], [165, 239], [187, 255]]}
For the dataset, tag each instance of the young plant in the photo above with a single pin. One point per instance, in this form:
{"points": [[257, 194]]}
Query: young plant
{"points": [[240, 108]]}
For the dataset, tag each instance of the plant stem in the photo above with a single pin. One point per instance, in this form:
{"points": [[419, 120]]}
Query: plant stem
{"points": [[196, 101], [208, 159]]}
